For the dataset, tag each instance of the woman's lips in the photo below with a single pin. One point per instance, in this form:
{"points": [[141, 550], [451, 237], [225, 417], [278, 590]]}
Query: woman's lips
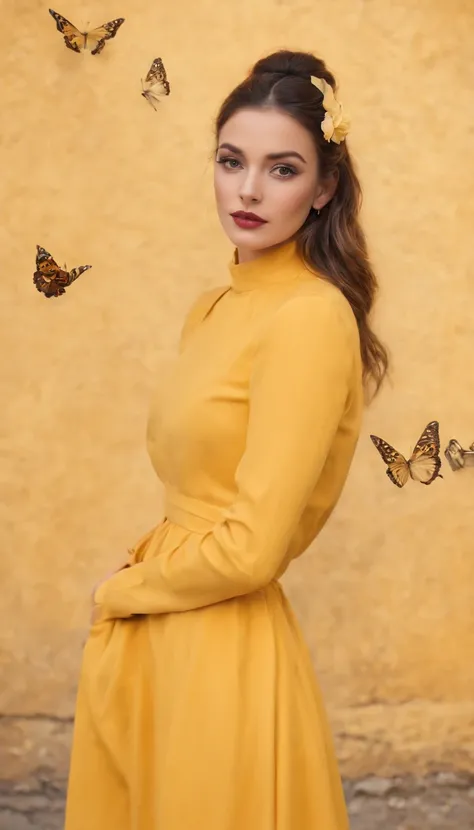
{"points": [[247, 223]]}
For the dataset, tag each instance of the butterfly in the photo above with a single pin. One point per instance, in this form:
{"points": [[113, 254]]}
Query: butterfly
{"points": [[424, 463], [78, 41], [157, 83], [49, 278]]}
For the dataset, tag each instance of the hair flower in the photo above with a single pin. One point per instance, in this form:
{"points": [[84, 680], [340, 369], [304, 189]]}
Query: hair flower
{"points": [[335, 125]]}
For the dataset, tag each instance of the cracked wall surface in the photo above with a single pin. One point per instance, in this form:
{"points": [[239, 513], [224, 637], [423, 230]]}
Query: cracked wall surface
{"points": [[93, 174]]}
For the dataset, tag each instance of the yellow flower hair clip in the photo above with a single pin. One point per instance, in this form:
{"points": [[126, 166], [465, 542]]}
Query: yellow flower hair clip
{"points": [[335, 125]]}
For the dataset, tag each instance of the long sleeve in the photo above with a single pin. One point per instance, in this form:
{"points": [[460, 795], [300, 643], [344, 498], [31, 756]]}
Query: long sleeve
{"points": [[299, 385]]}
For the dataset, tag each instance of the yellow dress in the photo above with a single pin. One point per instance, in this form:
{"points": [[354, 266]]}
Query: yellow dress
{"points": [[197, 706]]}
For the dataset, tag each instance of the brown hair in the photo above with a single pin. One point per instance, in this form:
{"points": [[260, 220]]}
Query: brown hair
{"points": [[333, 243]]}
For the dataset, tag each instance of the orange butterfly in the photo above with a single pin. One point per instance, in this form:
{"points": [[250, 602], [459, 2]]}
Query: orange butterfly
{"points": [[78, 41], [49, 278]]}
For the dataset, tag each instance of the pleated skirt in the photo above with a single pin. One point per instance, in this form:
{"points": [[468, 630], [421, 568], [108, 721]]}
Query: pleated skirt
{"points": [[211, 719]]}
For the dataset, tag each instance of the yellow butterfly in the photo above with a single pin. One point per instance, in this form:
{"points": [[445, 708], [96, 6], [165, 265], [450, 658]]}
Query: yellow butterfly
{"points": [[424, 463], [78, 41], [157, 83]]}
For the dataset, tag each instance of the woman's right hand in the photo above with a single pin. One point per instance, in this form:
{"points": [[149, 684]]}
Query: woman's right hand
{"points": [[95, 610]]}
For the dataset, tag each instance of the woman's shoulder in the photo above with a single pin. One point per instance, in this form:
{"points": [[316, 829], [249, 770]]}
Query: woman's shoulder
{"points": [[317, 299]]}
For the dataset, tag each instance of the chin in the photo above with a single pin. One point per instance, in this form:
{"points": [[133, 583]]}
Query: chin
{"points": [[251, 240]]}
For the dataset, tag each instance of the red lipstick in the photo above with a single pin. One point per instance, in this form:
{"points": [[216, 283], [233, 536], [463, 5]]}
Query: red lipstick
{"points": [[247, 220]]}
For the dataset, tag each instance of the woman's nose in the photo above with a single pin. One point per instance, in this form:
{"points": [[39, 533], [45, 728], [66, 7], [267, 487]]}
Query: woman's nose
{"points": [[251, 188]]}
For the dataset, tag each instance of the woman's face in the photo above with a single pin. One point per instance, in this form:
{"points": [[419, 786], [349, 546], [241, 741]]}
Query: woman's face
{"points": [[266, 163]]}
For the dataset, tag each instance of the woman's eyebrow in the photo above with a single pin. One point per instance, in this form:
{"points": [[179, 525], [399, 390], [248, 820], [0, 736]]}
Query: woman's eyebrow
{"points": [[285, 154]]}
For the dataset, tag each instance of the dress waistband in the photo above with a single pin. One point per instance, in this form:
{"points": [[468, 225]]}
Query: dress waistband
{"points": [[192, 514]]}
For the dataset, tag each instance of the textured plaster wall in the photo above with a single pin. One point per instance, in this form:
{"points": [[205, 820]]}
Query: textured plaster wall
{"points": [[93, 174]]}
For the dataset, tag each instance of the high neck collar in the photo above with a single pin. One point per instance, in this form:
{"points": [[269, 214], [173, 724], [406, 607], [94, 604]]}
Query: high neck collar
{"points": [[276, 265]]}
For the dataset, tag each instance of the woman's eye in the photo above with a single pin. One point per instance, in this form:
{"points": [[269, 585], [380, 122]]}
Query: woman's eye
{"points": [[290, 170], [227, 160]]}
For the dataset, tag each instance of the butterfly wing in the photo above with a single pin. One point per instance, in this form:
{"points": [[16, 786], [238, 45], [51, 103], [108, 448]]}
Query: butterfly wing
{"points": [[157, 83], [425, 462], [151, 97], [96, 37], [397, 470], [40, 282], [52, 288], [45, 262], [76, 272], [73, 38], [157, 74], [51, 285]]}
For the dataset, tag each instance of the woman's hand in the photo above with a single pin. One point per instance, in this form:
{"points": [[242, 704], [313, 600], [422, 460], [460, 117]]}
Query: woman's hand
{"points": [[95, 610]]}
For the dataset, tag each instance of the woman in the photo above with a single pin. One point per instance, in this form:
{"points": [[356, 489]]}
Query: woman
{"points": [[197, 705]]}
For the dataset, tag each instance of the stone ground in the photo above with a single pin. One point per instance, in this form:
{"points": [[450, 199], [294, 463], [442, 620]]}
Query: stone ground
{"points": [[441, 801]]}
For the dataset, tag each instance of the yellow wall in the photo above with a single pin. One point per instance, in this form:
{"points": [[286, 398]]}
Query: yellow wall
{"points": [[93, 174]]}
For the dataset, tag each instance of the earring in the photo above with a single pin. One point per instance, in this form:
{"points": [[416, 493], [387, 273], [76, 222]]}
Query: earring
{"points": [[318, 211]]}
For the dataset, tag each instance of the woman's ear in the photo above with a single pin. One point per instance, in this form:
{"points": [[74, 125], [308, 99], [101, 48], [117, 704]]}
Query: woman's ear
{"points": [[326, 190]]}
